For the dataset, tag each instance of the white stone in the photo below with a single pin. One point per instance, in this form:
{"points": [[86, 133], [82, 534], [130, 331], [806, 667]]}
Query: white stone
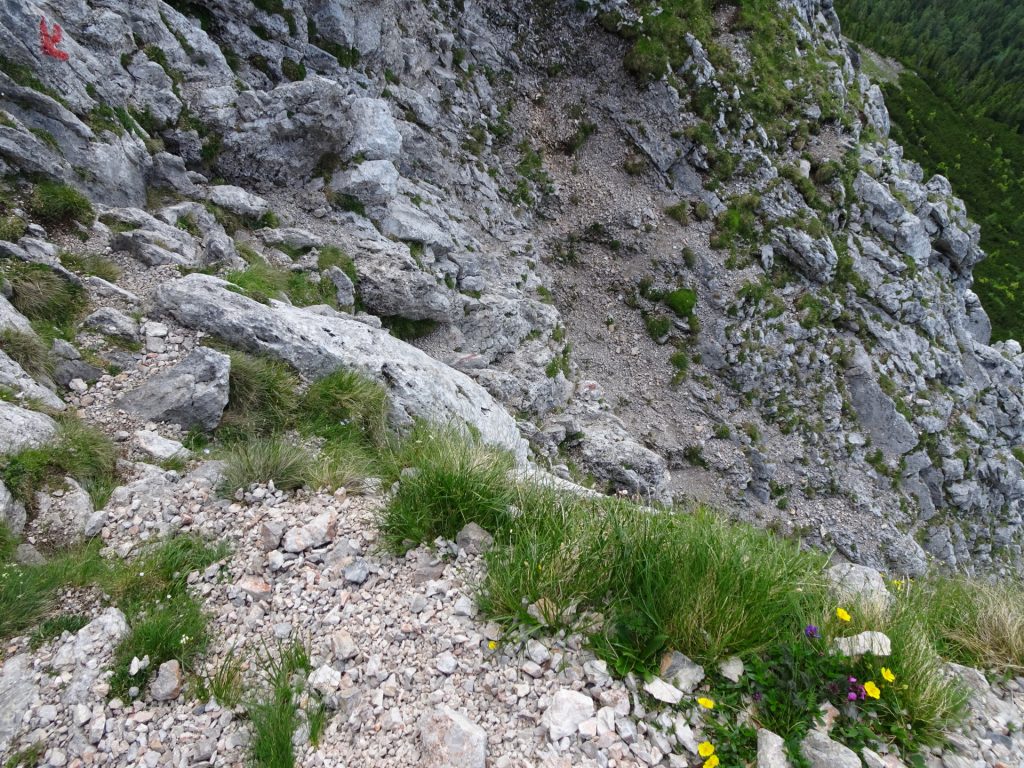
{"points": [[732, 668], [662, 691], [566, 711], [159, 447], [876, 643]]}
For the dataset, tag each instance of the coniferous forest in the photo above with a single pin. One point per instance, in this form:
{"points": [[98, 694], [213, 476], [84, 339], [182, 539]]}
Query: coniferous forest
{"points": [[959, 110]]}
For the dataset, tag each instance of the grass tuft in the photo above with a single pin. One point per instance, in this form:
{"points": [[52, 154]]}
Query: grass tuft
{"points": [[345, 405], [453, 480], [262, 396], [42, 295], [57, 626], [59, 204], [91, 264], [28, 351], [971, 622], [275, 716], [263, 282], [266, 459], [28, 593], [78, 450]]}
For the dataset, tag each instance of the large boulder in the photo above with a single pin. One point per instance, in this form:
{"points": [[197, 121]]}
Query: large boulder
{"points": [[317, 345], [21, 428], [193, 393]]}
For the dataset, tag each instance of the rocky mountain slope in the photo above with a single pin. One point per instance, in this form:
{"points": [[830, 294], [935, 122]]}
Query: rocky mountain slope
{"points": [[500, 180], [702, 273]]}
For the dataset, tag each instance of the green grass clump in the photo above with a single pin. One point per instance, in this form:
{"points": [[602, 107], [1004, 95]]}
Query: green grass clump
{"points": [[91, 264], [225, 684], [682, 301], [28, 592], [78, 450], [29, 757], [341, 465], [41, 294], [28, 351], [332, 256], [972, 622], [174, 628], [165, 622], [409, 330], [266, 459], [658, 325], [59, 204], [454, 480], [57, 626], [276, 715], [345, 405], [263, 282], [12, 228], [689, 582], [293, 70], [262, 396], [680, 212]]}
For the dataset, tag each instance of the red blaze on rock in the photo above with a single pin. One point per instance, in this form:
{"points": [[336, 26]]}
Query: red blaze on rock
{"points": [[50, 40]]}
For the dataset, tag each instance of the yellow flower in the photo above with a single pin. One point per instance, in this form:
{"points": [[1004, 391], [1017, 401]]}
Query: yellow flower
{"points": [[711, 762], [491, 645], [706, 749], [842, 614], [872, 690], [888, 675], [705, 702]]}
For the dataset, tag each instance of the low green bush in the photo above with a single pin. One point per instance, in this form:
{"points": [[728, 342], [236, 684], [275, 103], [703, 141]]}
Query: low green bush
{"points": [[658, 325], [682, 301]]}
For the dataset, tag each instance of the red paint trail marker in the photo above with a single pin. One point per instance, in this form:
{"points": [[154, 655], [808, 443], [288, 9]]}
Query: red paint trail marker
{"points": [[50, 40]]}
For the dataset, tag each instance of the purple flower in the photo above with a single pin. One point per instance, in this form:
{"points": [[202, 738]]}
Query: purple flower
{"points": [[812, 632], [758, 696], [851, 696]]}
